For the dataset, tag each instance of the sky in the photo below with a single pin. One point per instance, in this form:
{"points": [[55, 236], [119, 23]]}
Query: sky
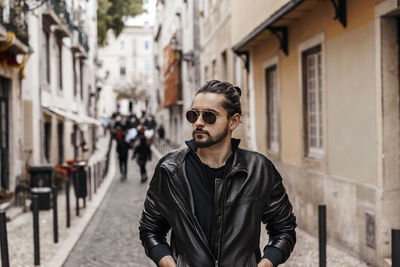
{"points": [[149, 17]]}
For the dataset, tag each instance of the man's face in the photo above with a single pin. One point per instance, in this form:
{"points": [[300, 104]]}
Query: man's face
{"points": [[205, 134]]}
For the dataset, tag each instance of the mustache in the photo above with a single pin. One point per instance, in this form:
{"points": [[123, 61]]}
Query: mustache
{"points": [[200, 130]]}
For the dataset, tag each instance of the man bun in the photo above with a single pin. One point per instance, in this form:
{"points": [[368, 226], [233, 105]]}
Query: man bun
{"points": [[238, 90]]}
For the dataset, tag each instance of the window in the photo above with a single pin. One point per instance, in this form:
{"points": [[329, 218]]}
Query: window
{"points": [[75, 77], [60, 132], [147, 70], [312, 93], [272, 108], [214, 69], [81, 72], [238, 71], [122, 67], [146, 45], [47, 140], [46, 62], [224, 66], [134, 47], [205, 73], [59, 65], [122, 44]]}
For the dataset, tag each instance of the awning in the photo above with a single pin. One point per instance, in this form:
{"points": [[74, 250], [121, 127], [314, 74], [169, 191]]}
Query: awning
{"points": [[267, 23], [171, 75], [277, 24], [78, 118]]}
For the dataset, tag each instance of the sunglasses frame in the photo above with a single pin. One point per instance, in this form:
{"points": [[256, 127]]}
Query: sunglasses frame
{"points": [[201, 113]]}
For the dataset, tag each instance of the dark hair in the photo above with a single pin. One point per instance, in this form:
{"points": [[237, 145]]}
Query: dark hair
{"points": [[232, 94]]}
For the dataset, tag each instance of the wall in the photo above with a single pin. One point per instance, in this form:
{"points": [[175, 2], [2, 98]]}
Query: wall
{"points": [[346, 179]]}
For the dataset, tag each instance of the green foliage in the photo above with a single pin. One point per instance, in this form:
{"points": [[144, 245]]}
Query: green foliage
{"points": [[112, 14]]}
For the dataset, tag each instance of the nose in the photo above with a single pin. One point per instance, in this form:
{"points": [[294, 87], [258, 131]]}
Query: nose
{"points": [[199, 122]]}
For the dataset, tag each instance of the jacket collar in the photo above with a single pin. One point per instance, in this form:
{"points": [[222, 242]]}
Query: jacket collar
{"points": [[238, 161]]}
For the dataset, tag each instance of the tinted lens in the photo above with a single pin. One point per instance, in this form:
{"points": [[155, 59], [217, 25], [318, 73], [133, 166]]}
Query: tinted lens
{"points": [[191, 116], [209, 117]]}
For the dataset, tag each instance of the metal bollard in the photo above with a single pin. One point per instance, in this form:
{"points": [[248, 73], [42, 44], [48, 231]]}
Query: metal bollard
{"points": [[36, 244], [55, 216], [94, 178], [322, 234], [90, 182], [67, 186], [76, 193], [395, 247], [4, 243]]}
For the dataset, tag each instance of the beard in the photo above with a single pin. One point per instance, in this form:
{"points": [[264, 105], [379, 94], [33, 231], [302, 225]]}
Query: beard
{"points": [[207, 140]]}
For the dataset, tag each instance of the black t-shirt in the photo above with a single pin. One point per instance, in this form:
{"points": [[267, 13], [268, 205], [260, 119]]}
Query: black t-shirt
{"points": [[202, 182]]}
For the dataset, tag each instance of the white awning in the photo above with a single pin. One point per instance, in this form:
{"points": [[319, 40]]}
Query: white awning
{"points": [[78, 118]]}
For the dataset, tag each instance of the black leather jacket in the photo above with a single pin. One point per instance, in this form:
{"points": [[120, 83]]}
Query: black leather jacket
{"points": [[251, 193]]}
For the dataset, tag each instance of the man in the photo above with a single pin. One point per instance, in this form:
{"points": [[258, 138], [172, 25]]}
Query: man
{"points": [[215, 195]]}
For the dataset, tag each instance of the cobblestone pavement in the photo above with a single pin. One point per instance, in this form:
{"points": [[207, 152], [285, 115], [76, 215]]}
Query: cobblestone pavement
{"points": [[20, 228], [112, 238]]}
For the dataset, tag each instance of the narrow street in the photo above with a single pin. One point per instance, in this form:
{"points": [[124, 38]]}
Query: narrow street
{"points": [[112, 238]]}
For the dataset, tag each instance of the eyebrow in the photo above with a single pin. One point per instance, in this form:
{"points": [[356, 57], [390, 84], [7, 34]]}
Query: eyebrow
{"points": [[207, 109]]}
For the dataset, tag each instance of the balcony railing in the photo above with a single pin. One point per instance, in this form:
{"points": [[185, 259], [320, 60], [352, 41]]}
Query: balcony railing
{"points": [[13, 15], [80, 39], [83, 40], [60, 9]]}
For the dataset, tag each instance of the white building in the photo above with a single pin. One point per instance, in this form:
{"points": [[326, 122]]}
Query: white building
{"points": [[177, 64], [14, 51], [125, 68], [59, 89]]}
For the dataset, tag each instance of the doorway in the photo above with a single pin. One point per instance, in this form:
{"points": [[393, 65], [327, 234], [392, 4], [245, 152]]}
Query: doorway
{"points": [[4, 134]]}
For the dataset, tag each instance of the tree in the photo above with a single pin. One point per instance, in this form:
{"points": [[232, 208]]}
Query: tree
{"points": [[112, 14]]}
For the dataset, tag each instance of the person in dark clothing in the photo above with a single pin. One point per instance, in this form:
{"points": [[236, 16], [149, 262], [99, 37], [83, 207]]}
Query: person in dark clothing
{"points": [[214, 195], [161, 132], [122, 150], [143, 154]]}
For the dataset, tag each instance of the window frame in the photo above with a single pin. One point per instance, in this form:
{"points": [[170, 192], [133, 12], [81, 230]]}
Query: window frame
{"points": [[272, 64], [59, 46], [304, 48]]}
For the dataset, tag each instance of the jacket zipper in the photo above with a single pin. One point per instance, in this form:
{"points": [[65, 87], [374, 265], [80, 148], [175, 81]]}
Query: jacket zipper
{"points": [[222, 212], [194, 221]]}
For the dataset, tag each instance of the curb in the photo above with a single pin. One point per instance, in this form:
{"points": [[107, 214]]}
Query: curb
{"points": [[77, 230]]}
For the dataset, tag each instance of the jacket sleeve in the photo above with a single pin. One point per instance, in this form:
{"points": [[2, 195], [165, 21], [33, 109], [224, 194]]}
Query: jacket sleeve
{"points": [[278, 216], [153, 226]]}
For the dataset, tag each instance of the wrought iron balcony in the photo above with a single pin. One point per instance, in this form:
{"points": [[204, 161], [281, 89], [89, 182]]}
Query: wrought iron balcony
{"points": [[57, 14], [80, 42], [83, 40], [13, 16]]}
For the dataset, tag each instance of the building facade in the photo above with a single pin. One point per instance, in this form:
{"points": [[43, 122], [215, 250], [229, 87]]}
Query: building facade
{"points": [[176, 64], [14, 53], [126, 65], [324, 105], [218, 61]]}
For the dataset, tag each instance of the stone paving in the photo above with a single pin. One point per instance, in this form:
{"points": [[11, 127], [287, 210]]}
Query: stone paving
{"points": [[112, 239], [20, 228]]}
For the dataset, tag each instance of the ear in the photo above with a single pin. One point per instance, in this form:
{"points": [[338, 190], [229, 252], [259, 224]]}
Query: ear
{"points": [[234, 121]]}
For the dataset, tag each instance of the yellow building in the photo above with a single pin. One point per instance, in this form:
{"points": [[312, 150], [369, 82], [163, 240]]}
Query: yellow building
{"points": [[218, 61], [323, 83]]}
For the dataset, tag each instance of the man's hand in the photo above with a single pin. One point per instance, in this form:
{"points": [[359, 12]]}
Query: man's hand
{"points": [[167, 261], [265, 263]]}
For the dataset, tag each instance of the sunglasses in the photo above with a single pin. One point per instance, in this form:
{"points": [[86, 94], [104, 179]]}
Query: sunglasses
{"points": [[208, 116]]}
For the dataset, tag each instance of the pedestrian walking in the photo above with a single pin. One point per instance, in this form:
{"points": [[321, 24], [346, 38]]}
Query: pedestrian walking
{"points": [[122, 150], [161, 132], [214, 195], [143, 154], [118, 133]]}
